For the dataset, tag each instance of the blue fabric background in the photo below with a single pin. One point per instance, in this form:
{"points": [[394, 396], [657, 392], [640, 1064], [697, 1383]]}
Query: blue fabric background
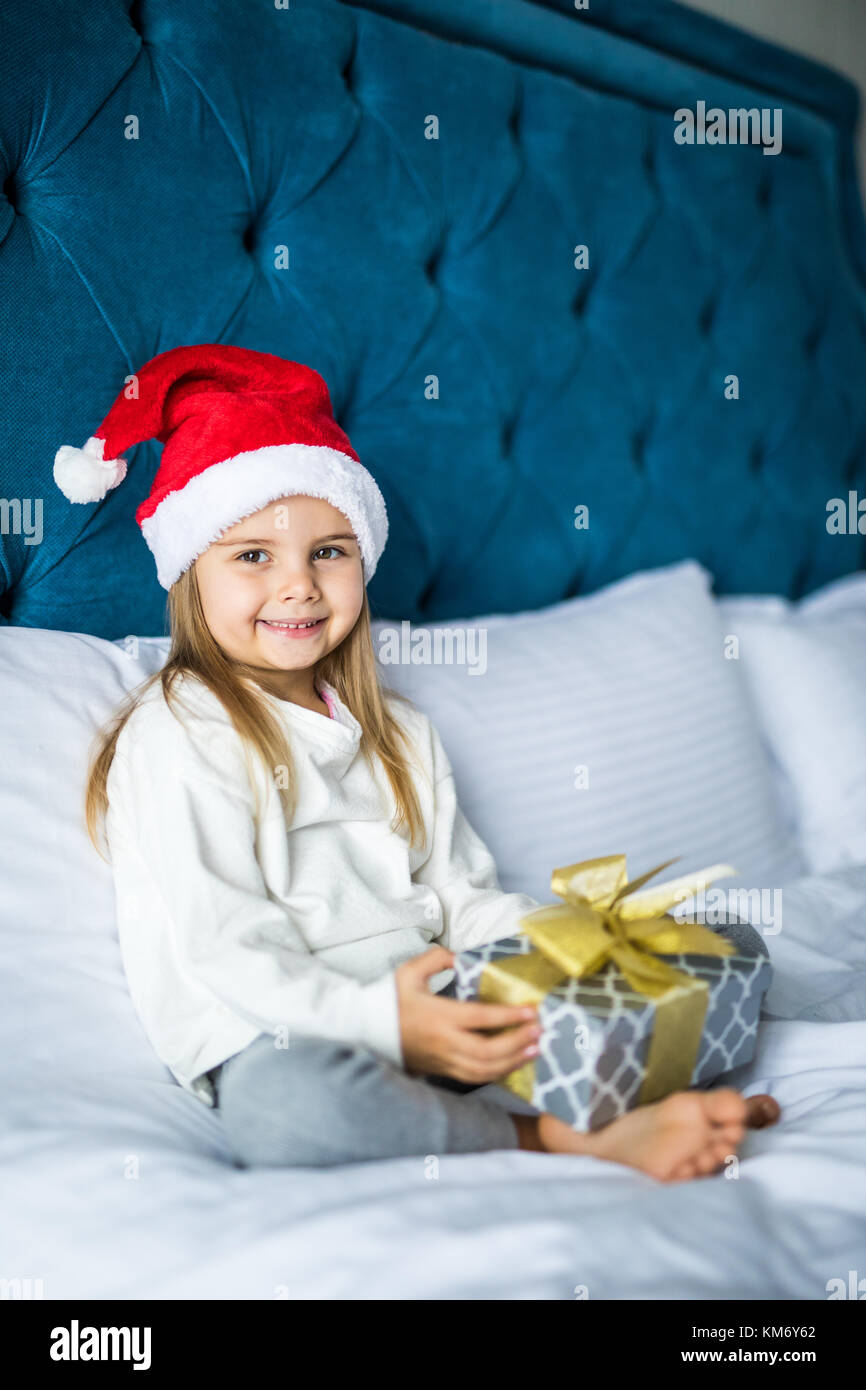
{"points": [[411, 258]]}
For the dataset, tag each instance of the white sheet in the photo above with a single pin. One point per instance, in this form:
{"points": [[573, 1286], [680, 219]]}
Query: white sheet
{"points": [[117, 1183]]}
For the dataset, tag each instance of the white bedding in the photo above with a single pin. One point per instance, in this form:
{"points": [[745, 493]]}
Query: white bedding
{"points": [[119, 1184]]}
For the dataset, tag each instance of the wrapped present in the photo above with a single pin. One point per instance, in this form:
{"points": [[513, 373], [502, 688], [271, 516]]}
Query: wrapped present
{"points": [[634, 1004]]}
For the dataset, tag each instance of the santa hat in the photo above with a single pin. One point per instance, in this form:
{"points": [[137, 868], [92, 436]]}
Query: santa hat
{"points": [[240, 429]]}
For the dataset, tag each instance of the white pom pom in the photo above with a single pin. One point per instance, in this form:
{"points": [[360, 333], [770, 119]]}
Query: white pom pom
{"points": [[83, 475]]}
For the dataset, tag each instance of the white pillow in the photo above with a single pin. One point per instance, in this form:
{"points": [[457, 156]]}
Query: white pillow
{"points": [[628, 682], [845, 595], [68, 1028], [56, 688], [805, 665]]}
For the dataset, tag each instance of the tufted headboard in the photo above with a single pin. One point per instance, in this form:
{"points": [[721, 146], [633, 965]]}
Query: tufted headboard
{"points": [[394, 193]]}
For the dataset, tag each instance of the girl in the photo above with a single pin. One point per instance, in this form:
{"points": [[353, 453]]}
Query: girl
{"points": [[284, 832]]}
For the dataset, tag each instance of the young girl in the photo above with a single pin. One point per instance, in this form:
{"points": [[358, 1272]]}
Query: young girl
{"points": [[292, 869]]}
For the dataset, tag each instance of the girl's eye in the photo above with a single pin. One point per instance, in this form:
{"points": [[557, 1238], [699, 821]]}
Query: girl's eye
{"points": [[322, 549]]}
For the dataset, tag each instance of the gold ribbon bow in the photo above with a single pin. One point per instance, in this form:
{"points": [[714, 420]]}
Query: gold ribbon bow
{"points": [[605, 918]]}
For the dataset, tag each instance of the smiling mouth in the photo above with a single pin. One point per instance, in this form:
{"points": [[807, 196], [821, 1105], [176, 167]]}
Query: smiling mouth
{"points": [[294, 629]]}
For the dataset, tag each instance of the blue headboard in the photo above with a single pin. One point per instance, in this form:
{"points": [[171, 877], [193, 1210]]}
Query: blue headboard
{"points": [[393, 193]]}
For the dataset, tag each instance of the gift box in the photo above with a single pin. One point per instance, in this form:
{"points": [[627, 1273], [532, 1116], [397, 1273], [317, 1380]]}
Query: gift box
{"points": [[633, 1003]]}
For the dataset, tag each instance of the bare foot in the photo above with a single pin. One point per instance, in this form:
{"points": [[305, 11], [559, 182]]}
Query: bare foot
{"points": [[686, 1135]]}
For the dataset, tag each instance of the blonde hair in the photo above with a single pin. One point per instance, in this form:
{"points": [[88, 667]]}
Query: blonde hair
{"points": [[351, 669]]}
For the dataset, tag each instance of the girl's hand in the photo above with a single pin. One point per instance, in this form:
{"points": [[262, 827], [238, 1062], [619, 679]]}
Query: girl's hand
{"points": [[441, 1037]]}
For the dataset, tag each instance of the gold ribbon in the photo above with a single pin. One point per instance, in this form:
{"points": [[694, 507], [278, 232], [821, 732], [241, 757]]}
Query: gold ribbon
{"points": [[604, 917]]}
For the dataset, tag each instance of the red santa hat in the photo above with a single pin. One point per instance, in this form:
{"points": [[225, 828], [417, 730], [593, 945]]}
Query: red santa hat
{"points": [[240, 429]]}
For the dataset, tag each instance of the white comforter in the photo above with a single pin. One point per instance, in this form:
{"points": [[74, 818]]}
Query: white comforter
{"points": [[115, 1183]]}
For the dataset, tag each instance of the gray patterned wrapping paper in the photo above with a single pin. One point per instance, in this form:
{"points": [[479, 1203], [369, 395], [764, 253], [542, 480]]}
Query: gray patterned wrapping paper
{"points": [[597, 1030]]}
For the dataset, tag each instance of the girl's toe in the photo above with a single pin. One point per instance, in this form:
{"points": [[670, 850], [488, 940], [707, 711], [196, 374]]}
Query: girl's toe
{"points": [[725, 1106], [729, 1136], [724, 1151], [707, 1161]]}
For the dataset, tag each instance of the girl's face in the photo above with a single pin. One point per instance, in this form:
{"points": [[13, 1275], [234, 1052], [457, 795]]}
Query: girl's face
{"points": [[295, 561]]}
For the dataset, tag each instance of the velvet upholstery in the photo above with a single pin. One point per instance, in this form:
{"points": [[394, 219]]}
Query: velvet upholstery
{"points": [[230, 171]]}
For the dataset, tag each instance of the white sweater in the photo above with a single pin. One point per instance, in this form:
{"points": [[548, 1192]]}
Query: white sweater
{"points": [[230, 929]]}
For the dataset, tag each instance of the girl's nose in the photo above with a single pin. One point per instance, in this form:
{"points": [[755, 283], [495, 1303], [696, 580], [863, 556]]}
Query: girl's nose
{"points": [[297, 584]]}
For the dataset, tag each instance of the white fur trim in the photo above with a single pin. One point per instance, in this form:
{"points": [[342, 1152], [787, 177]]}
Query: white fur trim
{"points": [[187, 521], [83, 475]]}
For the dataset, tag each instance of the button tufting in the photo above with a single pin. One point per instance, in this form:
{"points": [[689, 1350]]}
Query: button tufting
{"points": [[756, 455], [507, 435], [347, 66], [810, 342], [851, 468], [10, 190], [249, 237], [433, 263], [135, 15], [579, 301], [763, 194], [800, 580], [648, 161], [705, 317], [638, 444]]}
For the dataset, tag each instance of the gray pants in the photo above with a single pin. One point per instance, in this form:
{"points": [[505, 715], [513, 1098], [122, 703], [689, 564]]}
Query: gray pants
{"points": [[318, 1102]]}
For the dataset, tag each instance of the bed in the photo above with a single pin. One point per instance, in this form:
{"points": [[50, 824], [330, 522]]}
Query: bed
{"points": [[614, 470]]}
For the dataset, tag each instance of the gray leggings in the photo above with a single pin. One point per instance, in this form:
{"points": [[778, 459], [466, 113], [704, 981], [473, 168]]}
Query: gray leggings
{"points": [[319, 1102]]}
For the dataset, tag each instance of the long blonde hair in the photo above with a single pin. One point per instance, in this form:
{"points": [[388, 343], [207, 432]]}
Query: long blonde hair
{"points": [[351, 669]]}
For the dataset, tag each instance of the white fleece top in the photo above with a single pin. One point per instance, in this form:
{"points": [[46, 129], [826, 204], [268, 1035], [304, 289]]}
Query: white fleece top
{"points": [[229, 929]]}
